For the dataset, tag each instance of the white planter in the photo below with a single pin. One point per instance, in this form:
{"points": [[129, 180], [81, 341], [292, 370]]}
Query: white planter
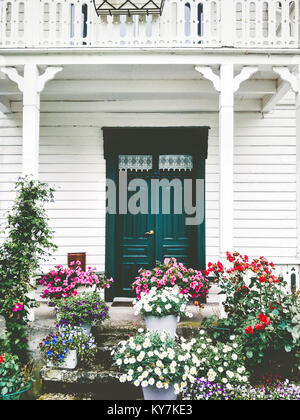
{"points": [[154, 394], [166, 323], [70, 362], [87, 328]]}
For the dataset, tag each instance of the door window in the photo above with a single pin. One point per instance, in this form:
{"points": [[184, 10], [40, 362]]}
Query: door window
{"points": [[175, 162], [135, 162]]}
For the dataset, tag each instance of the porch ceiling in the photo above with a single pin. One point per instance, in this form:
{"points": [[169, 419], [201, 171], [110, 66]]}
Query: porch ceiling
{"points": [[152, 84]]}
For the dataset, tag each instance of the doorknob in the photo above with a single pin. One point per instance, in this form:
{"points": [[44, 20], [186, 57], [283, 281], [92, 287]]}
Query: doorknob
{"points": [[150, 233]]}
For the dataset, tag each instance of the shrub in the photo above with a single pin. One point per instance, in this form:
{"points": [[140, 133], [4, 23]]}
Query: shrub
{"points": [[28, 243], [12, 378], [86, 308], [218, 362], [257, 305]]}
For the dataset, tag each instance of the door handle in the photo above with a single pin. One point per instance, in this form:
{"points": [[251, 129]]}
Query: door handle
{"points": [[150, 233]]}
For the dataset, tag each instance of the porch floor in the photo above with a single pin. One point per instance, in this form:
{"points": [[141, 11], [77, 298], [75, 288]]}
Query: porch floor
{"points": [[124, 315]]}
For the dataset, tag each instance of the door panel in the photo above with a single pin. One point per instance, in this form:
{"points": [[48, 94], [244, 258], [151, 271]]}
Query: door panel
{"points": [[134, 248], [174, 238], [171, 238]]}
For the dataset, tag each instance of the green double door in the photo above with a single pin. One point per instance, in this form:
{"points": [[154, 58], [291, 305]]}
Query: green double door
{"points": [[159, 231], [137, 239]]}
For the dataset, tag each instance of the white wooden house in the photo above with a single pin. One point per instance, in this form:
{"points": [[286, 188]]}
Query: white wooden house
{"points": [[231, 65]]}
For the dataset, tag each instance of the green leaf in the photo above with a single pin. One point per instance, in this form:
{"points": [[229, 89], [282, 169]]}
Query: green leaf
{"points": [[4, 391], [288, 348]]}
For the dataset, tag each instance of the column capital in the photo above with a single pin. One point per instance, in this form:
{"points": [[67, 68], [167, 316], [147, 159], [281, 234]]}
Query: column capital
{"points": [[288, 76], [31, 84], [216, 79], [31, 72]]}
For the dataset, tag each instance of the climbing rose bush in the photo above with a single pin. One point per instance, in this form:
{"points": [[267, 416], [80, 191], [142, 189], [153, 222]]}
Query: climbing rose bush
{"points": [[257, 305], [170, 274], [28, 243], [62, 283]]}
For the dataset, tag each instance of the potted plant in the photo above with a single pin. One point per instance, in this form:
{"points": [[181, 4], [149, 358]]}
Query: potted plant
{"points": [[67, 347], [63, 282], [155, 361], [83, 310], [190, 282], [14, 380], [161, 308]]}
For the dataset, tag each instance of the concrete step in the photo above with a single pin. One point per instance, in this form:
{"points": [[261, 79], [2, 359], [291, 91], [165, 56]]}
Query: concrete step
{"points": [[100, 383], [66, 397]]}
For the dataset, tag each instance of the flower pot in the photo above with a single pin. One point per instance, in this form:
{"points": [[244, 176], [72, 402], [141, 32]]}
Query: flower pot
{"points": [[166, 323], [87, 328], [154, 394], [69, 363]]}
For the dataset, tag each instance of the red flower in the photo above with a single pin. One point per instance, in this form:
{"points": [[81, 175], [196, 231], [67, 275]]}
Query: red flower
{"points": [[264, 319], [249, 330], [220, 265], [259, 327], [1, 359], [262, 279]]}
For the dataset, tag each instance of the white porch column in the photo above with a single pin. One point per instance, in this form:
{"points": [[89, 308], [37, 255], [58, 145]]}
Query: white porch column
{"points": [[31, 121], [298, 161], [226, 155], [31, 85]]}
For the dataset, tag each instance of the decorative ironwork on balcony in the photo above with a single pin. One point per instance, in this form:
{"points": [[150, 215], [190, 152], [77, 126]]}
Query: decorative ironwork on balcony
{"points": [[251, 24], [128, 7]]}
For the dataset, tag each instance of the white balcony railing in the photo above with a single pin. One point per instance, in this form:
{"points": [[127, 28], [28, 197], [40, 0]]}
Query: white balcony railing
{"points": [[268, 24]]}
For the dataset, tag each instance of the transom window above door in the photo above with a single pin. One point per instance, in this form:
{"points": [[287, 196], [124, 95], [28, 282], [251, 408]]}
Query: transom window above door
{"points": [[146, 163], [175, 162], [135, 162]]}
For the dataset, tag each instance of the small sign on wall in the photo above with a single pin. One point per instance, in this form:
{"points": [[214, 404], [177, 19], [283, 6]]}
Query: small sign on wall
{"points": [[79, 256]]}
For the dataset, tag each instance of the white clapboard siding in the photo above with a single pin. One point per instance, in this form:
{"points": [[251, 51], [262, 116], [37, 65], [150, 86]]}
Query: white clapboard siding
{"points": [[71, 159], [265, 184]]}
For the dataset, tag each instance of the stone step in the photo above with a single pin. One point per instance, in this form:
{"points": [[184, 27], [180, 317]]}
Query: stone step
{"points": [[66, 397], [98, 382]]}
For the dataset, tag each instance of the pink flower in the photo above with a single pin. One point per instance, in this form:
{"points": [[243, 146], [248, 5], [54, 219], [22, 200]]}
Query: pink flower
{"points": [[18, 307]]}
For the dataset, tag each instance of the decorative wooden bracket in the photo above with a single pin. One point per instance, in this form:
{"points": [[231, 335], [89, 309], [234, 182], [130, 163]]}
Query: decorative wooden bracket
{"points": [[12, 74], [208, 73], [48, 75], [287, 76], [244, 75]]}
